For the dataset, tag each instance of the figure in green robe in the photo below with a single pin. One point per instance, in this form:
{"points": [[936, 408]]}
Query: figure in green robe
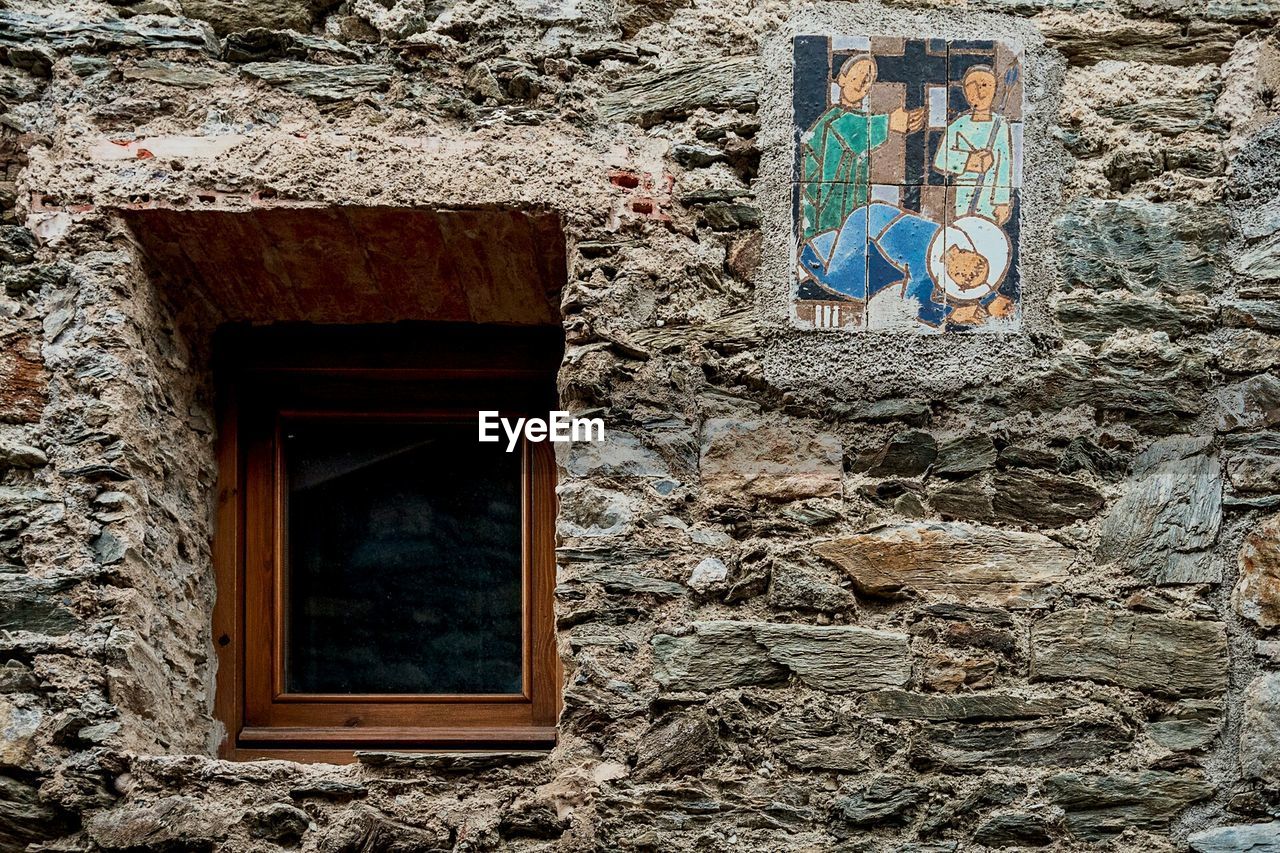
{"points": [[835, 162], [978, 152]]}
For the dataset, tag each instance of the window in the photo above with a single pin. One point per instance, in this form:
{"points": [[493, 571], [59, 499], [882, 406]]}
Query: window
{"points": [[384, 579]]}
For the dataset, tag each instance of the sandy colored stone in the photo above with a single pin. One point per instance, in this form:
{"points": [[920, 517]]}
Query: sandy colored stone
{"points": [[966, 561], [1257, 593], [23, 383], [779, 460]]}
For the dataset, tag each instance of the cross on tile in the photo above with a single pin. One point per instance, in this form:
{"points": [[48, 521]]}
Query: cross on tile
{"points": [[904, 79]]}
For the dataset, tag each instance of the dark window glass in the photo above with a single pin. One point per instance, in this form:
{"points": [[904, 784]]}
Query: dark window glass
{"points": [[404, 559]]}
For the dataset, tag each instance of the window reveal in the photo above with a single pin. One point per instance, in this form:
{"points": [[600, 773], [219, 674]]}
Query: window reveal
{"points": [[385, 579]]}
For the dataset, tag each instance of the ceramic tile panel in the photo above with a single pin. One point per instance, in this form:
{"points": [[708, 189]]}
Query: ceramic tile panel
{"points": [[831, 269], [884, 213], [978, 272], [983, 139], [909, 90]]}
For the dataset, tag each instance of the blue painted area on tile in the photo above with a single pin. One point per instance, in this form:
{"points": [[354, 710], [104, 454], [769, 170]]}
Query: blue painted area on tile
{"points": [[873, 226]]}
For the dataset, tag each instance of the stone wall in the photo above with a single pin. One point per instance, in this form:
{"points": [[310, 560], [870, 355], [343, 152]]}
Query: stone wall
{"points": [[817, 591]]}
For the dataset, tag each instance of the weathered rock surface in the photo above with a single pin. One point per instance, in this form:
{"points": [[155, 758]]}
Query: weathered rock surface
{"points": [[1245, 838], [1100, 806], [20, 718], [1260, 729], [1060, 741], [967, 454], [1188, 725], [1164, 526], [1014, 829], [906, 454], [1141, 246], [23, 382], [1250, 404], [1156, 394], [1253, 461], [36, 604], [901, 705], [969, 562], [718, 655], [778, 461], [228, 16], [794, 588], [1157, 654], [22, 30], [323, 83], [1257, 593], [680, 745], [1094, 317], [177, 822], [680, 89], [1042, 499]]}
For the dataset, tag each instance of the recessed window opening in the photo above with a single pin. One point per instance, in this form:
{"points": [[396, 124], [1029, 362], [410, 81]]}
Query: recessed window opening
{"points": [[384, 579]]}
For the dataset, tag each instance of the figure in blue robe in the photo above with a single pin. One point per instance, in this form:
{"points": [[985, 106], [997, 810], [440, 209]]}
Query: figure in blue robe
{"points": [[881, 245], [899, 249]]}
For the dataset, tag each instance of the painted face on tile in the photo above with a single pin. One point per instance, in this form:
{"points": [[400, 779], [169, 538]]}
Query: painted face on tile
{"points": [[969, 269], [980, 88], [906, 184], [855, 80]]}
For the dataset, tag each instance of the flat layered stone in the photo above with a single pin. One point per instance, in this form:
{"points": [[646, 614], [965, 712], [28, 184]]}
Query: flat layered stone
{"points": [[1256, 596], [1141, 246], [1055, 742], [970, 562], [24, 385], [22, 30], [1087, 39], [683, 88], [1163, 528], [1253, 461], [777, 460], [906, 454], [1099, 806], [1242, 838], [1095, 317], [1260, 729], [36, 605], [1262, 314], [1191, 724], [229, 16], [724, 654], [1157, 654], [1251, 404], [1157, 395], [624, 581], [323, 83], [901, 705], [1045, 500], [967, 454]]}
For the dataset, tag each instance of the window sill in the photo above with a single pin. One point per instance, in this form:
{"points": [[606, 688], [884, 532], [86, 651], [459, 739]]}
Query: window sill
{"points": [[455, 761], [343, 746]]}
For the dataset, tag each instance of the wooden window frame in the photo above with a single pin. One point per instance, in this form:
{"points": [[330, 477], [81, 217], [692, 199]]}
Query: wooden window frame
{"points": [[415, 373]]}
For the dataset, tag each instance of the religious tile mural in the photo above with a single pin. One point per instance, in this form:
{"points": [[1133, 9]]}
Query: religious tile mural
{"points": [[906, 183]]}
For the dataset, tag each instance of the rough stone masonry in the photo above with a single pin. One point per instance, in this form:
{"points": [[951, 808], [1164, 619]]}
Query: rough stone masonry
{"points": [[819, 591]]}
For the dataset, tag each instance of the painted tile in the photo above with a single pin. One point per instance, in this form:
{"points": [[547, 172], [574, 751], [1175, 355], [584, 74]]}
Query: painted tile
{"points": [[979, 269], [909, 99], [983, 139], [831, 261], [903, 295], [877, 202]]}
